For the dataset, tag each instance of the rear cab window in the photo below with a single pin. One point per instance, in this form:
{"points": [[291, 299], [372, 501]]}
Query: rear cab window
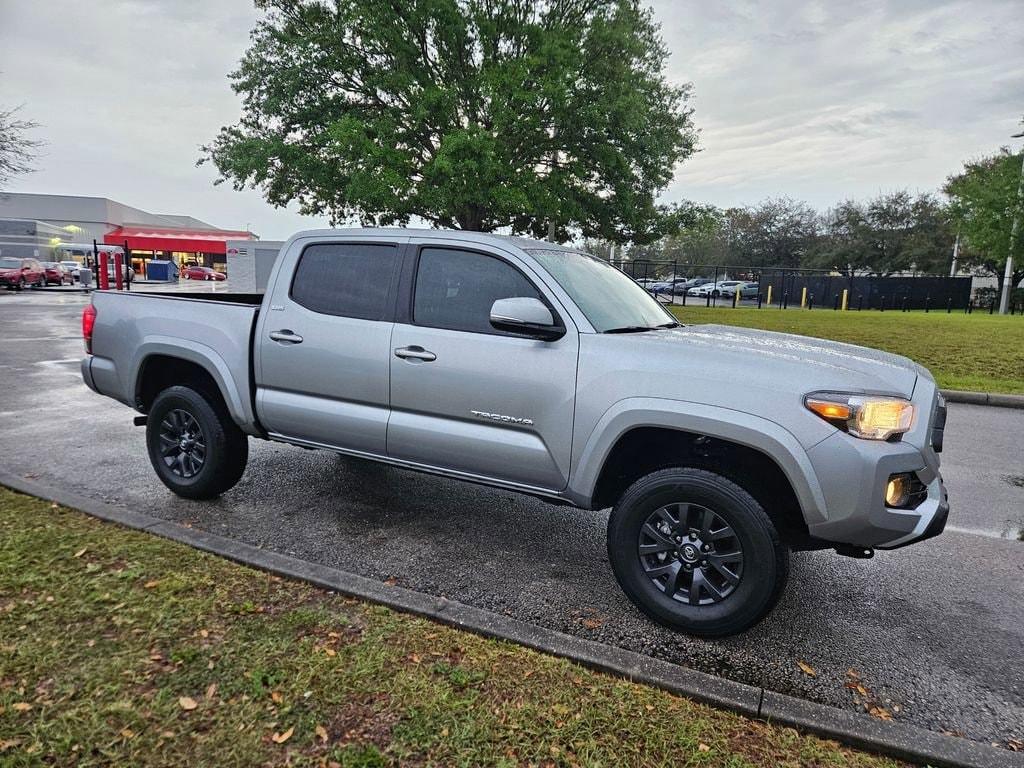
{"points": [[347, 279]]}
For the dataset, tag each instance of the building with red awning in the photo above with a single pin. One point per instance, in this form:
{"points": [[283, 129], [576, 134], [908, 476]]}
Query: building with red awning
{"points": [[145, 236]]}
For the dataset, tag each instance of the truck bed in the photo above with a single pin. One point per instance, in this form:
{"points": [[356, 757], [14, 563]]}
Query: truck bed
{"points": [[212, 330]]}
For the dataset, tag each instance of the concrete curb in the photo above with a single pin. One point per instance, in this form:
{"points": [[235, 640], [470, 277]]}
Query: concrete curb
{"points": [[902, 741], [983, 398]]}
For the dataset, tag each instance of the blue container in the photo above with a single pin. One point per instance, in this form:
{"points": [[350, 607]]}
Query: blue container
{"points": [[162, 270]]}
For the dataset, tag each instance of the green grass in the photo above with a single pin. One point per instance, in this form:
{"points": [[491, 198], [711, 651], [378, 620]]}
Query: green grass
{"points": [[120, 648], [978, 352]]}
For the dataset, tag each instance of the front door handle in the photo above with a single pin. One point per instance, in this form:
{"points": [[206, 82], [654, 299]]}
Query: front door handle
{"points": [[415, 353], [286, 336]]}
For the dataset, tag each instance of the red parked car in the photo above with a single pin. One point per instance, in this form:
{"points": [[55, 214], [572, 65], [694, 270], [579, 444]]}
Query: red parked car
{"points": [[203, 273], [17, 273], [54, 272]]}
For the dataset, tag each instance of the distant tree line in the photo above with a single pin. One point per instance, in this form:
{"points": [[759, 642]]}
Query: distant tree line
{"points": [[891, 233], [896, 232]]}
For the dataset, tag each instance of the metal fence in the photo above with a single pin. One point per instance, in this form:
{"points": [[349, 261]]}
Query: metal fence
{"points": [[814, 289]]}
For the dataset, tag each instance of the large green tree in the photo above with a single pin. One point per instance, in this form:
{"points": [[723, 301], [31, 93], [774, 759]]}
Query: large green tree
{"points": [[475, 114], [983, 202]]}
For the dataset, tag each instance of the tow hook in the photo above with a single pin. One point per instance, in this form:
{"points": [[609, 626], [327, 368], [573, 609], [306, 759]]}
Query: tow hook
{"points": [[140, 421], [861, 553]]}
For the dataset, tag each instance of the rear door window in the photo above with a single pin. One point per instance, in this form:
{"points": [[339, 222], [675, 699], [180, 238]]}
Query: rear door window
{"points": [[346, 279]]}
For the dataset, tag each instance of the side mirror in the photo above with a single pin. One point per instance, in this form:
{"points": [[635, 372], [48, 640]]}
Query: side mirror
{"points": [[526, 316]]}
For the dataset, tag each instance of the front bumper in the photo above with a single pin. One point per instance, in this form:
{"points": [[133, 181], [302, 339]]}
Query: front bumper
{"points": [[853, 474]]}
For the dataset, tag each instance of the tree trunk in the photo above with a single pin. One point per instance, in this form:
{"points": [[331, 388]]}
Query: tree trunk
{"points": [[470, 219]]}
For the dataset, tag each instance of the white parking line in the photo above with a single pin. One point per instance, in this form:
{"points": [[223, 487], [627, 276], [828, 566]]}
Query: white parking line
{"points": [[988, 533]]}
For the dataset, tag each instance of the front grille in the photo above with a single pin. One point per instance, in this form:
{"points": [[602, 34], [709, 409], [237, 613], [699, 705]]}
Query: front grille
{"points": [[938, 424]]}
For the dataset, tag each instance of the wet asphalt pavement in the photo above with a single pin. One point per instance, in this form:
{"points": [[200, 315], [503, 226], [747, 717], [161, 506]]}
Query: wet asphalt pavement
{"points": [[934, 631]]}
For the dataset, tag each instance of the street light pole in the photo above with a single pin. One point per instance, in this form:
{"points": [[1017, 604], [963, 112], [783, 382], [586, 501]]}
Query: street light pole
{"points": [[1004, 300]]}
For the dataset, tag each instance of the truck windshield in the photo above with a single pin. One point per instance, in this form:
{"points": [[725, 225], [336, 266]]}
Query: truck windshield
{"points": [[611, 301]]}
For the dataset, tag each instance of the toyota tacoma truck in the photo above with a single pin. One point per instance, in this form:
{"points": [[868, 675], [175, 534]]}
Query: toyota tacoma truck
{"points": [[541, 369]]}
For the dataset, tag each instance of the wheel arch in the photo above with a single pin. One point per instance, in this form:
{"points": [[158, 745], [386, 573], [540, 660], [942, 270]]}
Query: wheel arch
{"points": [[162, 365], [641, 435]]}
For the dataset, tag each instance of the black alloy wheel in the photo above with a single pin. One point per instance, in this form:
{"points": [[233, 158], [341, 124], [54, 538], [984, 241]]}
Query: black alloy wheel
{"points": [[691, 554], [194, 445], [696, 551], [182, 443]]}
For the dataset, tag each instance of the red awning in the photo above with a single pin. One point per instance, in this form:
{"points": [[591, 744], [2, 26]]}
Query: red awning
{"points": [[175, 239]]}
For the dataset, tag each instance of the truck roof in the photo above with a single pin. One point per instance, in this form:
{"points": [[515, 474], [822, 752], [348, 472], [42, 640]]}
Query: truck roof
{"points": [[454, 234]]}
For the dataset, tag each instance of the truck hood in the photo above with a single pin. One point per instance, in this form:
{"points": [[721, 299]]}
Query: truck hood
{"points": [[780, 362]]}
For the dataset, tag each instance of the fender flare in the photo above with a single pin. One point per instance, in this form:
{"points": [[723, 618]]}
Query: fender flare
{"points": [[206, 358], [739, 427]]}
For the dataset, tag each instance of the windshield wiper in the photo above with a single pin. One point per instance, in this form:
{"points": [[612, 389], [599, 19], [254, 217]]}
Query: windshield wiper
{"points": [[640, 329]]}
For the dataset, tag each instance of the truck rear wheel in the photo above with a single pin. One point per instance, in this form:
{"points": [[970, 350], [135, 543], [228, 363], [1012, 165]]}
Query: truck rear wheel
{"points": [[696, 552], [195, 447]]}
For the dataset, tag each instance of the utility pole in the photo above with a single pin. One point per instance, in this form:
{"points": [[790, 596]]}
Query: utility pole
{"points": [[1004, 299]]}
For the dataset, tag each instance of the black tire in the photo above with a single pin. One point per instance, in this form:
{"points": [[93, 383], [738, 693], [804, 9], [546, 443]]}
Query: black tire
{"points": [[763, 564], [180, 411], [21, 285]]}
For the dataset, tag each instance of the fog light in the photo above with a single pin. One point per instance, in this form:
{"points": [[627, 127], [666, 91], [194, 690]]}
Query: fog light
{"points": [[897, 492]]}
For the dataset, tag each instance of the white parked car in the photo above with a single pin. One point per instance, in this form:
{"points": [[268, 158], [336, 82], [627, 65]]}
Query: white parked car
{"points": [[72, 268], [721, 288]]}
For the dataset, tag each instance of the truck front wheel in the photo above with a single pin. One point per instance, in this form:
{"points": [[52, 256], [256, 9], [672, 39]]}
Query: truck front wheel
{"points": [[696, 552], [195, 447]]}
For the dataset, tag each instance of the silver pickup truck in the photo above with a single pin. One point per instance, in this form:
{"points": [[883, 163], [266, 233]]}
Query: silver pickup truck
{"points": [[538, 368]]}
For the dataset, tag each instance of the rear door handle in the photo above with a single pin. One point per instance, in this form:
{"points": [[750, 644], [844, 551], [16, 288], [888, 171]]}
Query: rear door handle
{"points": [[286, 336], [415, 353]]}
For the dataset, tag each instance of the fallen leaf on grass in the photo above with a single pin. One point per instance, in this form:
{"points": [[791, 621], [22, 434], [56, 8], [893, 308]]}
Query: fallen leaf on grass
{"points": [[276, 697], [703, 748], [330, 652], [21, 706], [127, 733], [187, 703], [281, 738], [806, 668], [211, 690], [81, 552], [151, 584], [9, 744], [321, 733], [414, 658]]}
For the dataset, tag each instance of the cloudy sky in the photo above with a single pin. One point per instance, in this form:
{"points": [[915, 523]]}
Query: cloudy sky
{"points": [[816, 100]]}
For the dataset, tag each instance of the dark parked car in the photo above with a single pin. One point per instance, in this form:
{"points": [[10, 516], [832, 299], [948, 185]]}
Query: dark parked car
{"points": [[54, 272], [682, 286], [202, 273], [15, 274]]}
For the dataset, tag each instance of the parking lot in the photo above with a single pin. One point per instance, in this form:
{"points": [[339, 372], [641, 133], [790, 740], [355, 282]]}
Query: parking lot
{"points": [[933, 632]]}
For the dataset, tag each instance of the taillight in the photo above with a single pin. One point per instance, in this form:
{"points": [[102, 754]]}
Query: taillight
{"points": [[88, 322]]}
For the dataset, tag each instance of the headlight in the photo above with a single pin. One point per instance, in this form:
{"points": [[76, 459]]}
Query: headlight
{"points": [[866, 416]]}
